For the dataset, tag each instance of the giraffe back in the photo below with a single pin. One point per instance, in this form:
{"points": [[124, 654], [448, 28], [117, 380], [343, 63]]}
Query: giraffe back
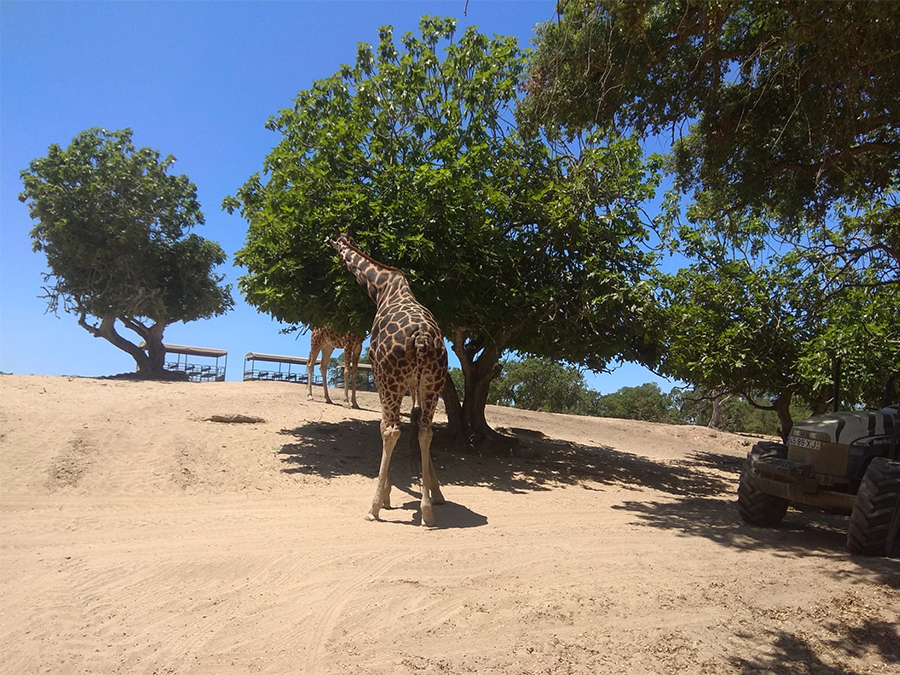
{"points": [[407, 348]]}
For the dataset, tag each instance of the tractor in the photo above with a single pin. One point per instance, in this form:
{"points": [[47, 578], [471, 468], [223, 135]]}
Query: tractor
{"points": [[841, 461]]}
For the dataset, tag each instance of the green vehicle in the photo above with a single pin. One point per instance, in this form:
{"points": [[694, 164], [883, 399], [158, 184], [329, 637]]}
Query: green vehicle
{"points": [[841, 461]]}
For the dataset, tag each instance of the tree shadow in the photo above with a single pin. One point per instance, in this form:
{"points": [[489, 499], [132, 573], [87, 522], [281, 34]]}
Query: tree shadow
{"points": [[329, 449], [713, 460], [700, 490], [353, 447], [797, 653], [808, 533]]}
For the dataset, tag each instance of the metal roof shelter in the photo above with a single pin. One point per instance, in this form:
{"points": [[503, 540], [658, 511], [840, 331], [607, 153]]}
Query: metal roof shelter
{"points": [[253, 372], [195, 351], [196, 372]]}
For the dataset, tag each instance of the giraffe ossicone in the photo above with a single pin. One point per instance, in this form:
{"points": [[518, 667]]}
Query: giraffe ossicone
{"points": [[407, 351]]}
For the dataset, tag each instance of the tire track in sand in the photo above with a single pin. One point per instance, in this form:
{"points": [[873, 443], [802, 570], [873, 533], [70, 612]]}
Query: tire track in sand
{"points": [[334, 607]]}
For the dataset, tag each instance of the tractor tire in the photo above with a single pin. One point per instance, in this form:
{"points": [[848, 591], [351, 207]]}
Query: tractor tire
{"points": [[756, 507], [892, 545], [876, 504]]}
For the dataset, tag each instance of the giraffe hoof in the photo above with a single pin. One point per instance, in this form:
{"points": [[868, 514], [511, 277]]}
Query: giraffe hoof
{"points": [[371, 517]]}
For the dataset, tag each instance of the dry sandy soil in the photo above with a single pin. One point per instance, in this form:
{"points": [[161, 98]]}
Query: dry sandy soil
{"points": [[139, 537]]}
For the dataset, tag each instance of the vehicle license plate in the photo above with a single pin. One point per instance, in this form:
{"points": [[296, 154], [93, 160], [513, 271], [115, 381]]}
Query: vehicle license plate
{"points": [[804, 443]]}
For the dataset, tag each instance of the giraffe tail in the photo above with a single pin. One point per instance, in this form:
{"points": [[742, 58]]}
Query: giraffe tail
{"points": [[415, 450]]}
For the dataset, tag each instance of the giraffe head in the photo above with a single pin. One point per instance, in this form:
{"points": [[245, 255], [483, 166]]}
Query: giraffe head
{"points": [[344, 237]]}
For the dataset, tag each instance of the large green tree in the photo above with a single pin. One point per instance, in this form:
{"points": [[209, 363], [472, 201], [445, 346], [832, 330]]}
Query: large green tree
{"points": [[787, 110], [769, 327], [115, 227], [513, 245]]}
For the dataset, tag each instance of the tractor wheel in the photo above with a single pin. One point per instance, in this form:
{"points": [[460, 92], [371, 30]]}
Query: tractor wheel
{"points": [[876, 503], [892, 545], [756, 507]]}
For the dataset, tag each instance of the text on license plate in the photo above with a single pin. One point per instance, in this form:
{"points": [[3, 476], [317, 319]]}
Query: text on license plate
{"points": [[804, 443]]}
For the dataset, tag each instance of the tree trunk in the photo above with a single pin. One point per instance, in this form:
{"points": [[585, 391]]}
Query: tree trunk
{"points": [[782, 406], [718, 402], [480, 364], [151, 361], [453, 409], [156, 352]]}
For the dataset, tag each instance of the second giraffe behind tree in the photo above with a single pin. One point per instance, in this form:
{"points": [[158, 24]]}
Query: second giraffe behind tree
{"points": [[325, 340], [407, 351]]}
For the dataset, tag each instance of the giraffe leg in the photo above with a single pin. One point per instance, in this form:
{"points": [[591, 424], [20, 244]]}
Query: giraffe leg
{"points": [[390, 434], [431, 489], [437, 496], [314, 352], [346, 379], [323, 368], [354, 364], [428, 476]]}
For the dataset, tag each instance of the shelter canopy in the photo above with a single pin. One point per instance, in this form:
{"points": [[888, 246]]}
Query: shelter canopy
{"points": [[275, 358], [195, 351]]}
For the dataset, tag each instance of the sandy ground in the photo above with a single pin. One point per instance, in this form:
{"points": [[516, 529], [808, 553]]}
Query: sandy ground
{"points": [[138, 537]]}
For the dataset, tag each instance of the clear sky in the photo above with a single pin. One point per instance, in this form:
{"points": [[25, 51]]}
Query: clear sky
{"points": [[197, 80]]}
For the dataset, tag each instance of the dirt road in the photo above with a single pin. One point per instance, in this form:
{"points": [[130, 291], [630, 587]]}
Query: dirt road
{"points": [[138, 537]]}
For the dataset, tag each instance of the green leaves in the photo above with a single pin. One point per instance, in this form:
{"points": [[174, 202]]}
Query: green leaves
{"points": [[414, 148], [115, 228], [782, 113], [772, 324]]}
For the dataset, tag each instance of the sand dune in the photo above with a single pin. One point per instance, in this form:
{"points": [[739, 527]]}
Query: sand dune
{"points": [[138, 537]]}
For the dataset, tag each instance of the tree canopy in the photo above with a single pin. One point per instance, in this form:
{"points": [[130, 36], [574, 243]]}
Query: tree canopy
{"points": [[790, 108], [785, 144], [512, 244], [115, 227], [769, 328], [540, 384]]}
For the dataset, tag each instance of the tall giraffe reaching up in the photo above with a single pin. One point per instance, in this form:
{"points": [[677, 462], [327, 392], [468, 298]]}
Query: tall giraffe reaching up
{"points": [[326, 340], [407, 352]]}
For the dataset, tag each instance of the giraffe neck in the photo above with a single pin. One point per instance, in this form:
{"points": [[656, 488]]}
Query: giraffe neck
{"points": [[383, 284]]}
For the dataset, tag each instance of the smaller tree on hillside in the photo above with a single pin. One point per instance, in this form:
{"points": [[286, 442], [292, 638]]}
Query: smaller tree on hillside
{"points": [[541, 384], [735, 413], [646, 402], [115, 228]]}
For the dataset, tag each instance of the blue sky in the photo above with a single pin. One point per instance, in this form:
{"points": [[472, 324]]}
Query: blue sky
{"points": [[197, 80]]}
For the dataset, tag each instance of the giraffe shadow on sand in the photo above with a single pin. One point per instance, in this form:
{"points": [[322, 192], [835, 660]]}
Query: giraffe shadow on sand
{"points": [[330, 450]]}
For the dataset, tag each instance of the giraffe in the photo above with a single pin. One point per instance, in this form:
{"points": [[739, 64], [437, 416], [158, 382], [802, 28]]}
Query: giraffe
{"points": [[326, 340], [407, 352]]}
